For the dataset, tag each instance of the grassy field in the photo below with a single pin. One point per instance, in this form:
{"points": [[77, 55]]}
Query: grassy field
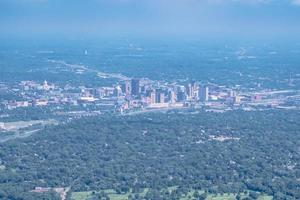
{"points": [[14, 126], [114, 196], [111, 193], [80, 195]]}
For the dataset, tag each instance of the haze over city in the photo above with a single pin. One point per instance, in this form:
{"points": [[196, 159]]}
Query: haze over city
{"points": [[95, 18], [150, 99]]}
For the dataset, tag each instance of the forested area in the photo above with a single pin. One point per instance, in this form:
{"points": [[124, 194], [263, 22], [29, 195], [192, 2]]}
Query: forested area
{"points": [[233, 152]]}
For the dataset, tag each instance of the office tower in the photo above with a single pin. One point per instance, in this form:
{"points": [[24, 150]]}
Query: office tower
{"points": [[135, 87], [195, 89], [172, 97], [203, 94], [125, 88], [160, 96], [152, 97], [117, 91], [189, 90], [237, 99], [192, 90], [181, 94]]}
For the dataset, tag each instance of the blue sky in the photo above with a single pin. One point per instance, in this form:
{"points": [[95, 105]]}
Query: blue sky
{"points": [[88, 18]]}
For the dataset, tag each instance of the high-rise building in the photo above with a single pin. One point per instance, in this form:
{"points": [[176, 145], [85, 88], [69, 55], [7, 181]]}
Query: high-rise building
{"points": [[203, 94], [192, 90], [135, 87], [237, 99], [172, 97], [125, 86], [162, 98], [189, 90], [117, 91], [152, 97], [181, 94], [159, 96]]}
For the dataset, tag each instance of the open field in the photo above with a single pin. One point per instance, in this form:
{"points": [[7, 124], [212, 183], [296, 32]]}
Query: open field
{"points": [[14, 126], [114, 196], [80, 195], [22, 129]]}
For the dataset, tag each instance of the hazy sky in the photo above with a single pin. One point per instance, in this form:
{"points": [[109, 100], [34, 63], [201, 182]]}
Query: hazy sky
{"points": [[84, 18]]}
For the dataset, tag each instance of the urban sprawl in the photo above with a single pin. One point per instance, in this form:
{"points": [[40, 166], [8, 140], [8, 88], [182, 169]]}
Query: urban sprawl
{"points": [[130, 95]]}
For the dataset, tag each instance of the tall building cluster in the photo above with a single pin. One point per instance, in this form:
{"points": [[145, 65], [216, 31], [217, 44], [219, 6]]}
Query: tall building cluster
{"points": [[138, 92]]}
